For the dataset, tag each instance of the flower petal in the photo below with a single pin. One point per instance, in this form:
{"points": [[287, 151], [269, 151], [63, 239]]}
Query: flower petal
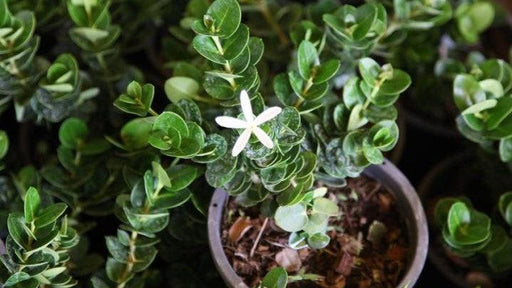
{"points": [[267, 115], [245, 101], [230, 122], [241, 142], [263, 137]]}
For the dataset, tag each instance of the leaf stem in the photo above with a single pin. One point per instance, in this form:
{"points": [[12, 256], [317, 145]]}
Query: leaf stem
{"points": [[152, 112], [227, 67]]}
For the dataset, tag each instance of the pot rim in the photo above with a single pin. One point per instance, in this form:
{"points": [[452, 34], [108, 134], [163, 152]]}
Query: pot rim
{"points": [[388, 174]]}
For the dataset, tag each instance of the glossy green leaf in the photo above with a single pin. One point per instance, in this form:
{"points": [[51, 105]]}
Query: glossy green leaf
{"points": [[50, 214], [291, 218], [177, 88], [325, 206], [276, 278], [307, 59], [221, 19], [73, 133], [32, 204], [4, 144], [318, 240], [326, 71]]}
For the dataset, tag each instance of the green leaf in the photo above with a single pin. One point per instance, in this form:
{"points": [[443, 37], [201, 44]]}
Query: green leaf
{"points": [[222, 19], [317, 223], [50, 214], [72, 133], [256, 49], [177, 88], [283, 90], [205, 46], [276, 278], [137, 100], [236, 44], [169, 199], [325, 206], [297, 240], [15, 225], [505, 207], [467, 91], [492, 86], [142, 190], [215, 146], [307, 59], [116, 271], [499, 112], [161, 176], [318, 240], [505, 150], [498, 241], [188, 110], [21, 279], [474, 18], [221, 171], [459, 215], [168, 130], [397, 84], [497, 261], [4, 144], [292, 218], [356, 118], [117, 249], [32, 204], [481, 106], [182, 176], [352, 94], [326, 71], [94, 147], [470, 230], [365, 17], [135, 133], [369, 70]]}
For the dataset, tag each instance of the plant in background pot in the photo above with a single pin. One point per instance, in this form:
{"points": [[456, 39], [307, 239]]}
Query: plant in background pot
{"points": [[477, 241], [431, 52], [287, 168]]}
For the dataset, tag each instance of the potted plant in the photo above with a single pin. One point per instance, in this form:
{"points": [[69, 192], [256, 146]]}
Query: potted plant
{"points": [[317, 140], [433, 62], [470, 218]]}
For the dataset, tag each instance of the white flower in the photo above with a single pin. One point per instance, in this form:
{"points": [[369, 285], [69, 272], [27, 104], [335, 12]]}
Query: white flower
{"points": [[250, 124]]}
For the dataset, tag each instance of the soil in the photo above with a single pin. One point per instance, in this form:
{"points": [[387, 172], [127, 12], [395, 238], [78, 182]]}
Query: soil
{"points": [[378, 264]]}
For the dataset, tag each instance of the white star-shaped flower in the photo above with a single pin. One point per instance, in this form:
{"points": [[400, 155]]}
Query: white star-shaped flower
{"points": [[250, 124]]}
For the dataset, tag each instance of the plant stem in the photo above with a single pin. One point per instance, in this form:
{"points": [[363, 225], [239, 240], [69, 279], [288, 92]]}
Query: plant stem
{"points": [[305, 91], [257, 241], [153, 112], [227, 67], [205, 100], [131, 260], [273, 24]]}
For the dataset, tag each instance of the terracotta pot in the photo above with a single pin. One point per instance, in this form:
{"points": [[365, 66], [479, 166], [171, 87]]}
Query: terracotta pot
{"points": [[408, 204]]}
